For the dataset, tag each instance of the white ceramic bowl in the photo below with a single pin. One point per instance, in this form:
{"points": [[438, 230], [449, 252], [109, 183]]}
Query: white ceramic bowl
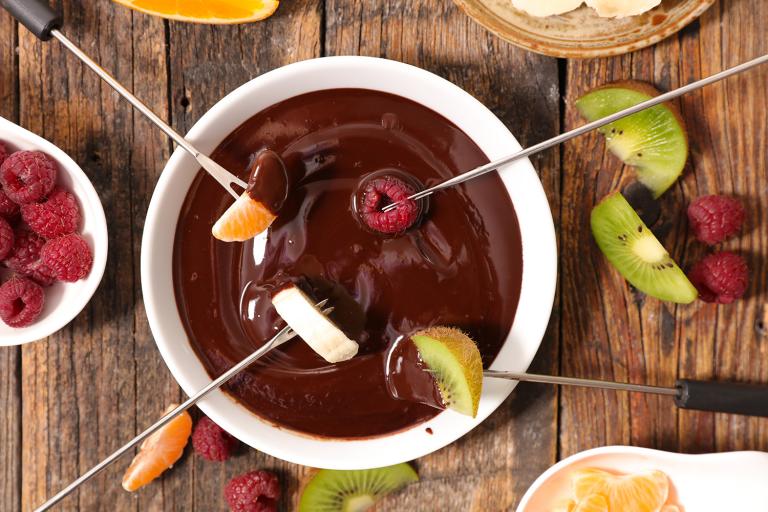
{"points": [[715, 482], [63, 301], [538, 238]]}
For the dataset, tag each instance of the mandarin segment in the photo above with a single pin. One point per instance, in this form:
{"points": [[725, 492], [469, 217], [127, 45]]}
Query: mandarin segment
{"points": [[243, 220], [593, 503], [159, 451], [206, 11], [639, 492]]}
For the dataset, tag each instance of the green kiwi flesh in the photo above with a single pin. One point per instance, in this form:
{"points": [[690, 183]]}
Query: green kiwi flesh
{"points": [[653, 141], [635, 252], [354, 490]]}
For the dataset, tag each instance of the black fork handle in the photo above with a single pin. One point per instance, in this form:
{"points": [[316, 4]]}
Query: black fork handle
{"points": [[751, 400], [36, 15]]}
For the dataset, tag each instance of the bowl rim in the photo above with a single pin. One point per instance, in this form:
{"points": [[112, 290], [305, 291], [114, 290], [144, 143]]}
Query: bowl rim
{"points": [[94, 227], [539, 254], [480, 14]]}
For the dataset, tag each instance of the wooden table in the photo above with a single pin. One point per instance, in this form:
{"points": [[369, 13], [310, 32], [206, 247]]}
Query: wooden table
{"points": [[69, 401]]}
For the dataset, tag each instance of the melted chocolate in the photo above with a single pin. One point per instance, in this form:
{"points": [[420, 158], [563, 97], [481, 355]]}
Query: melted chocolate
{"points": [[409, 378], [460, 267], [268, 180]]}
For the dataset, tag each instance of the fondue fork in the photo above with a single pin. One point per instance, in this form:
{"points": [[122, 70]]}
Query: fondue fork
{"points": [[43, 22], [284, 335], [541, 146]]}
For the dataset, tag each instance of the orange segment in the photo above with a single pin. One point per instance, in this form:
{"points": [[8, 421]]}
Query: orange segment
{"points": [[159, 451], [206, 11], [243, 220], [641, 492], [592, 503]]}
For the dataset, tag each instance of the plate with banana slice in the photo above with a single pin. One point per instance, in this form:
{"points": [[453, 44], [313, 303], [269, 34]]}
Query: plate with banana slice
{"points": [[584, 28]]}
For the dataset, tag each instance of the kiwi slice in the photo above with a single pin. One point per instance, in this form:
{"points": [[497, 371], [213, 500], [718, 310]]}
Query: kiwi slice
{"points": [[653, 141], [455, 362], [353, 491], [635, 252]]}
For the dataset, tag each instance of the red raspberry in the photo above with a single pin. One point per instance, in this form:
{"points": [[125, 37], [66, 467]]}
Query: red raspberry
{"points": [[25, 255], [211, 441], [6, 238], [69, 257], [59, 215], [380, 192], [27, 176], [715, 218], [21, 302], [721, 277], [3, 153], [256, 491], [8, 208]]}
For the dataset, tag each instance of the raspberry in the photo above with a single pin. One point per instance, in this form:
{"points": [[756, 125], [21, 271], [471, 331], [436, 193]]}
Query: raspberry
{"points": [[256, 491], [69, 257], [211, 441], [715, 218], [21, 302], [721, 277], [25, 255], [8, 208], [380, 192], [27, 176], [3, 153], [59, 215], [6, 238]]}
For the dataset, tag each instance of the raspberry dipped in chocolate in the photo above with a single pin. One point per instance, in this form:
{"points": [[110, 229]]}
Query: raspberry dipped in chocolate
{"points": [[722, 277], [21, 302], [28, 176], [380, 190], [256, 491], [715, 218]]}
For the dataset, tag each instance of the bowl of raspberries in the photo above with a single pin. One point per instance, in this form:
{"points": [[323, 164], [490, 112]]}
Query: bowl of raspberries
{"points": [[53, 237]]}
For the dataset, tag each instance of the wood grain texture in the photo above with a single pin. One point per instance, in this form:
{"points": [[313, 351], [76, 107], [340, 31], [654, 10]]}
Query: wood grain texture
{"points": [[491, 468], [615, 333], [10, 357]]}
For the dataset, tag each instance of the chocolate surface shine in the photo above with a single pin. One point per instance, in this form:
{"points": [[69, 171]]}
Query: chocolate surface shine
{"points": [[460, 266]]}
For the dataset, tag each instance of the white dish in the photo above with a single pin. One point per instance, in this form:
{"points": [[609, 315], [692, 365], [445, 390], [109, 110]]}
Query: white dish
{"points": [[63, 301], [538, 238], [715, 482]]}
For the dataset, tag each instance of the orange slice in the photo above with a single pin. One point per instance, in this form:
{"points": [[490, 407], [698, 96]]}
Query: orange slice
{"points": [[159, 451], [640, 492], [243, 220], [206, 11], [592, 503]]}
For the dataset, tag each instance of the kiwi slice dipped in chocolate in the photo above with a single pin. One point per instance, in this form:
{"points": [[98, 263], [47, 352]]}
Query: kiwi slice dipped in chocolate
{"points": [[653, 141], [455, 363], [353, 490], [635, 252]]}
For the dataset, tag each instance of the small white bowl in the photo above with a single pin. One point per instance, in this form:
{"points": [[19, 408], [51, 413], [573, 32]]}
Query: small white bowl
{"points": [[715, 482], [490, 134], [63, 301]]}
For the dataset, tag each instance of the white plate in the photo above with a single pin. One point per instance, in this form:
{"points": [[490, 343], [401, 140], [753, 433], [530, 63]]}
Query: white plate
{"points": [[536, 226], [717, 482], [63, 301]]}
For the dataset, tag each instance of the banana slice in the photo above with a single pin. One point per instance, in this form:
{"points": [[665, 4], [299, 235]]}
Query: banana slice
{"points": [[621, 8], [543, 8], [300, 312]]}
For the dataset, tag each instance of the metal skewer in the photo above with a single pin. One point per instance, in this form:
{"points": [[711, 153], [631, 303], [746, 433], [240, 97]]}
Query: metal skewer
{"points": [[284, 335], [42, 21], [541, 146]]}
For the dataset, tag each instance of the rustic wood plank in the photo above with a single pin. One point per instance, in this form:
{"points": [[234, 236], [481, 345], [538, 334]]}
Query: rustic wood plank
{"points": [[508, 451], [615, 333], [221, 59], [10, 357], [80, 386]]}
